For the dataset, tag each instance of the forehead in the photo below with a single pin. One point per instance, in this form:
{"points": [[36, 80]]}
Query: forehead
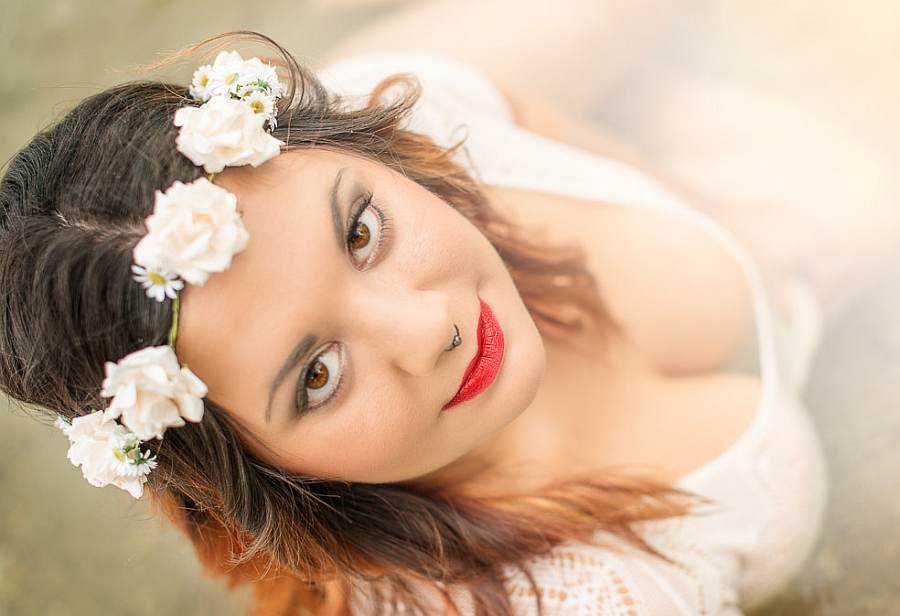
{"points": [[235, 330]]}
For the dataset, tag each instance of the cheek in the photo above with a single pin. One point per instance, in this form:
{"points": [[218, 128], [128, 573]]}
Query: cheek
{"points": [[380, 439], [387, 441]]}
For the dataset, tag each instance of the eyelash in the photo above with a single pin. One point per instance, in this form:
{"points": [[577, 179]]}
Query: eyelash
{"points": [[385, 228]]}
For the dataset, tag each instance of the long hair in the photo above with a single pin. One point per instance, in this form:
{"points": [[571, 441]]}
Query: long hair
{"points": [[72, 206]]}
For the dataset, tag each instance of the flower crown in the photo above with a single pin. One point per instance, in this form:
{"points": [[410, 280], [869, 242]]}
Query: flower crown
{"points": [[194, 230]]}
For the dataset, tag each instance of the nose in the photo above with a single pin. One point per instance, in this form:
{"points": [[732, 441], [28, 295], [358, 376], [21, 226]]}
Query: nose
{"points": [[411, 328]]}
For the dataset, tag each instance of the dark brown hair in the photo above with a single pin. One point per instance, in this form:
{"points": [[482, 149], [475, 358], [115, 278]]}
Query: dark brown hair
{"points": [[72, 206]]}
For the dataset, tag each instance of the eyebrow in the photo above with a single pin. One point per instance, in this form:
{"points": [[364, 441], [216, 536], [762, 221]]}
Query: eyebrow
{"points": [[308, 340]]}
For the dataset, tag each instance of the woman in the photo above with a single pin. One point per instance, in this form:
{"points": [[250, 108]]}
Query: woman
{"points": [[459, 367]]}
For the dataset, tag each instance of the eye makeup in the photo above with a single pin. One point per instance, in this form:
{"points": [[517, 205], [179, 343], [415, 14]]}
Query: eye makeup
{"points": [[381, 221]]}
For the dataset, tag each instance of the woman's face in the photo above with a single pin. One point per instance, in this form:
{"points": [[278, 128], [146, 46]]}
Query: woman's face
{"points": [[367, 321]]}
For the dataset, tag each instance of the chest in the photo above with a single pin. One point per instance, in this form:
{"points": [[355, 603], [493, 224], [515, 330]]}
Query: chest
{"points": [[663, 401], [675, 288], [614, 411]]}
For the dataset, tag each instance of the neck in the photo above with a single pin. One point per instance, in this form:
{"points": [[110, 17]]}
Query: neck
{"points": [[546, 440]]}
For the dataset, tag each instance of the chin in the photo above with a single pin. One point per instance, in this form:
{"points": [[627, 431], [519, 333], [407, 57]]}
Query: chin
{"points": [[477, 422], [527, 357]]}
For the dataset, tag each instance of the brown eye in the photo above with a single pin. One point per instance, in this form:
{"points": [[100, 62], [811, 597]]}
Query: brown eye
{"points": [[318, 375], [323, 377], [360, 237], [367, 232]]}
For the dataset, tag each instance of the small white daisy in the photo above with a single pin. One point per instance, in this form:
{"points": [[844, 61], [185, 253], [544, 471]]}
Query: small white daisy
{"points": [[107, 452], [201, 84], [62, 424], [158, 285], [131, 461], [259, 102]]}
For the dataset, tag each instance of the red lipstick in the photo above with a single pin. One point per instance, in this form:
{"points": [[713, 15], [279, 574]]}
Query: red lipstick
{"points": [[484, 366]]}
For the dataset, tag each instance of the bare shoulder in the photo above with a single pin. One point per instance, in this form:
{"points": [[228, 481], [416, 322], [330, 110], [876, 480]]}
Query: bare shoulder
{"points": [[675, 288]]}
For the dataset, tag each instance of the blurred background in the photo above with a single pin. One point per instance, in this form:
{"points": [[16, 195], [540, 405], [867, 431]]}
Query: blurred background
{"points": [[780, 116]]}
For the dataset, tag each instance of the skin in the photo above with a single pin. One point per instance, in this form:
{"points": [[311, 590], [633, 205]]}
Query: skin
{"points": [[560, 412], [392, 319], [554, 410]]}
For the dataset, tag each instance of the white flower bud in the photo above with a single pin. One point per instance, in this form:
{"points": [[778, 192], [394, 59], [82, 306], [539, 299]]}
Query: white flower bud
{"points": [[224, 132], [194, 230], [152, 393]]}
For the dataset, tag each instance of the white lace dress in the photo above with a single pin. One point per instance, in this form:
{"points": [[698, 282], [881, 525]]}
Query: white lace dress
{"points": [[769, 487]]}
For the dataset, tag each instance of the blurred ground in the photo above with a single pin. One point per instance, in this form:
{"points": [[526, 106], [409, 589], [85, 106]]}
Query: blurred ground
{"points": [[781, 113]]}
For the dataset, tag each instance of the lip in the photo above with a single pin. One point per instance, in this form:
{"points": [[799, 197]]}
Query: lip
{"points": [[483, 368]]}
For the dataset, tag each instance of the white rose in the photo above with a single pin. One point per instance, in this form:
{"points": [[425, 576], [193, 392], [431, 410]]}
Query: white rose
{"points": [[224, 132], [152, 393], [105, 451], [194, 230]]}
